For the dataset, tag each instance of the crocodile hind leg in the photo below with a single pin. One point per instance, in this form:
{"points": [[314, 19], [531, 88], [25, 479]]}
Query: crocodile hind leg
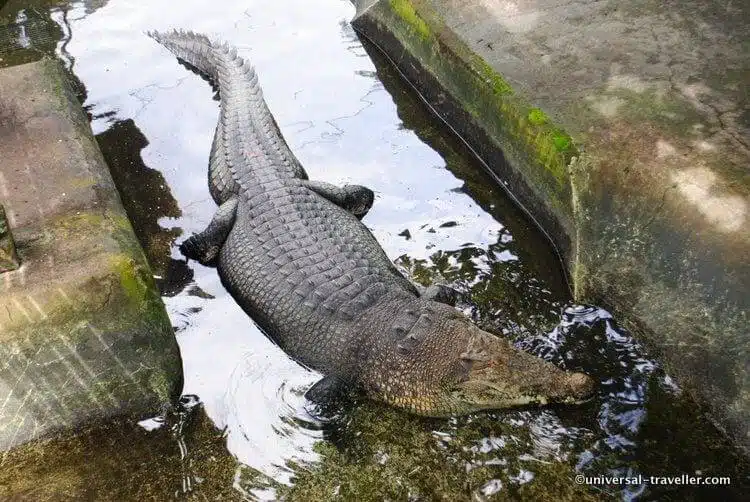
{"points": [[354, 198], [205, 246]]}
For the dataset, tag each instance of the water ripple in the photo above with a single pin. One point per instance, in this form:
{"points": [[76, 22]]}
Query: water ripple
{"points": [[267, 421]]}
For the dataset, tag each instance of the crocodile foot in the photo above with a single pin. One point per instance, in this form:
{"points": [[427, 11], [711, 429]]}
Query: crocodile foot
{"points": [[205, 246], [443, 294], [200, 250]]}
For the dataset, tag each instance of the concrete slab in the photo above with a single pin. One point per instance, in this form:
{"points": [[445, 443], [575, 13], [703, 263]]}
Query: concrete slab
{"points": [[623, 129], [83, 332]]}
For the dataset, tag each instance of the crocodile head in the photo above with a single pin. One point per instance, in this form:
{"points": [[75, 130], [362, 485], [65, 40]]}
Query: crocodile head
{"points": [[495, 374], [456, 368]]}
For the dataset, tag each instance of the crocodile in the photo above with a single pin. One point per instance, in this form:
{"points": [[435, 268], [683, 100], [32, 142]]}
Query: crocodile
{"points": [[295, 255]]}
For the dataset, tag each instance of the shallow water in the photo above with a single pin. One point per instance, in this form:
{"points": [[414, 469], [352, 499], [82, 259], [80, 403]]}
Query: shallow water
{"points": [[245, 430]]}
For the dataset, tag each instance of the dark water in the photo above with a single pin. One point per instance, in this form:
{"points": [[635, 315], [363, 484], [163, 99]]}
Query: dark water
{"points": [[244, 430]]}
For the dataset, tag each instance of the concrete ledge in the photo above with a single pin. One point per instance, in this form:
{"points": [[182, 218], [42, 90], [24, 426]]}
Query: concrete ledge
{"points": [[83, 332], [623, 130], [502, 128]]}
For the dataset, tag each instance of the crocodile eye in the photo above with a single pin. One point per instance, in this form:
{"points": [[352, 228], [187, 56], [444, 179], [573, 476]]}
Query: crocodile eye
{"points": [[460, 371]]}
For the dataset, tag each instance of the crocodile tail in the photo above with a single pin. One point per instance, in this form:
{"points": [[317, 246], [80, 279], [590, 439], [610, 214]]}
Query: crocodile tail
{"points": [[193, 48], [245, 123]]}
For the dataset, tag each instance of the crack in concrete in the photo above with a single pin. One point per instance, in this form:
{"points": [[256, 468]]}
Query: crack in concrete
{"points": [[727, 128], [655, 212], [718, 115], [107, 295]]}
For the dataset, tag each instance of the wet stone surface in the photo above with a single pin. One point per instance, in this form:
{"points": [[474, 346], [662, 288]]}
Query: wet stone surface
{"points": [[83, 333], [8, 255], [254, 436]]}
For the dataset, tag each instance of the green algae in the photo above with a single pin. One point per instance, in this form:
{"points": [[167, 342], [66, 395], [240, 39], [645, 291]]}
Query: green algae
{"points": [[537, 117], [532, 141], [8, 256], [405, 10], [125, 260], [498, 85], [94, 465], [132, 284], [562, 142], [121, 251], [393, 456], [80, 223], [386, 454], [151, 321], [418, 269]]}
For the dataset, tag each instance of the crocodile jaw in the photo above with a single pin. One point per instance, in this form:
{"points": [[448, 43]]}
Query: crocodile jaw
{"points": [[501, 376]]}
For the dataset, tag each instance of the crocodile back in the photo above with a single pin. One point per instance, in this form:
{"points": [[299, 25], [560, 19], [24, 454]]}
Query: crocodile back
{"points": [[308, 272]]}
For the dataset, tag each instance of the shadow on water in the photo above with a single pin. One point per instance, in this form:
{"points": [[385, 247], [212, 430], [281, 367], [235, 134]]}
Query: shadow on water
{"points": [[145, 195], [267, 445]]}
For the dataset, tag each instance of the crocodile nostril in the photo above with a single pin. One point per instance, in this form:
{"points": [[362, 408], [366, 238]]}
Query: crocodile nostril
{"points": [[580, 385]]}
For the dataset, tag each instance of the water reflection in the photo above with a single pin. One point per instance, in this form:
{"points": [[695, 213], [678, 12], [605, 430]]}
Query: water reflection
{"points": [[144, 192]]}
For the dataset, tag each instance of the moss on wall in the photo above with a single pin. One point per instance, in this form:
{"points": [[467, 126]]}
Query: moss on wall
{"points": [[8, 256], [525, 134]]}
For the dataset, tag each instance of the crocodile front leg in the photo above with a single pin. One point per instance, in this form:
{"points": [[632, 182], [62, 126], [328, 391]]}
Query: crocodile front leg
{"points": [[205, 246], [354, 198], [326, 390], [442, 294]]}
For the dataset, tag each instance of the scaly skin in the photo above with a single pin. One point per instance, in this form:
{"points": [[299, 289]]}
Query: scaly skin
{"points": [[311, 275]]}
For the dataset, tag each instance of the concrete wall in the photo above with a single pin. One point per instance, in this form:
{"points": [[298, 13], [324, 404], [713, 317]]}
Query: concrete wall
{"points": [[83, 332], [623, 130]]}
